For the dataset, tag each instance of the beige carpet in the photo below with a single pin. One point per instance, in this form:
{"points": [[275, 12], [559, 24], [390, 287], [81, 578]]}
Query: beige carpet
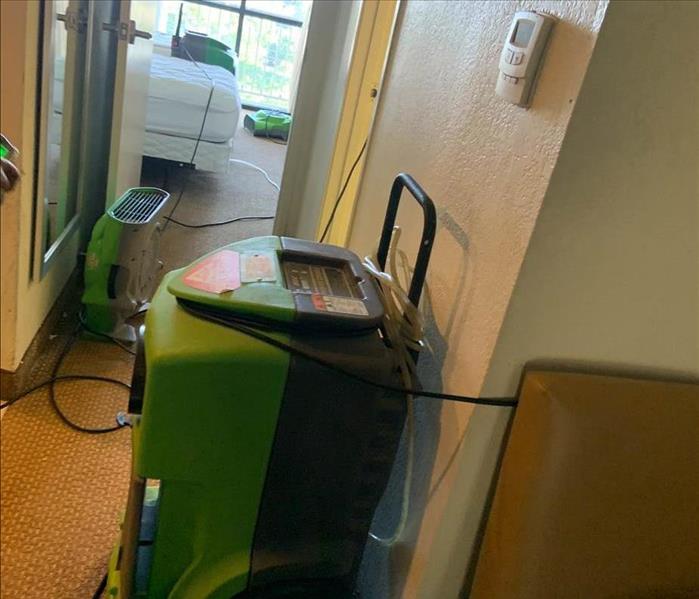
{"points": [[63, 492], [211, 197]]}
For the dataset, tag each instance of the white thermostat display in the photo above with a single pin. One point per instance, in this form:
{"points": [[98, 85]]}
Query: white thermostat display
{"points": [[522, 55]]}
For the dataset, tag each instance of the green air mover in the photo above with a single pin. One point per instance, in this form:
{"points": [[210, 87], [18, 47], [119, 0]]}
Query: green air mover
{"points": [[121, 265], [256, 470], [268, 123]]}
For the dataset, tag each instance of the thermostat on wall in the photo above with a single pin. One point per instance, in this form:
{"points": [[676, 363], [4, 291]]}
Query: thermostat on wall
{"points": [[522, 56]]}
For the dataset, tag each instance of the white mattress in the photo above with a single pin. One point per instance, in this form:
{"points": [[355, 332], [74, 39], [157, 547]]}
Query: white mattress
{"points": [[210, 156], [177, 97]]}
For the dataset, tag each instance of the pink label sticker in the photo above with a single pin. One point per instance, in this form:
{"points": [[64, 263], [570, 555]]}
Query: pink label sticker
{"points": [[218, 273], [318, 302]]}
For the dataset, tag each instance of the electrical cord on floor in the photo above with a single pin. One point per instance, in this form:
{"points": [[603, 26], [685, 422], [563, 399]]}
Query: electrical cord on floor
{"points": [[56, 377], [100, 588], [257, 168], [218, 224], [54, 402], [342, 192]]}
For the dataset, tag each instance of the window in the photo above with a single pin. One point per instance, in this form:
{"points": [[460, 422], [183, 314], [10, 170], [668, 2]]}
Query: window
{"points": [[266, 36], [268, 54]]}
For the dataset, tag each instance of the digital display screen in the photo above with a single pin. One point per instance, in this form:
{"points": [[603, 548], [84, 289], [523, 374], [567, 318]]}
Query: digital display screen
{"points": [[522, 33], [319, 278]]}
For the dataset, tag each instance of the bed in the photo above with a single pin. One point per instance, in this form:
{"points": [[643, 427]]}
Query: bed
{"points": [[177, 98], [177, 95]]}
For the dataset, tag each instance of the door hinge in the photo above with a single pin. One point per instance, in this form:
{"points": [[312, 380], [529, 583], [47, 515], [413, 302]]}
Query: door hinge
{"points": [[126, 30], [74, 20]]}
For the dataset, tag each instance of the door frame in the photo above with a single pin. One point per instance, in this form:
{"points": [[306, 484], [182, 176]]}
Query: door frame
{"points": [[132, 76], [372, 43], [345, 58]]}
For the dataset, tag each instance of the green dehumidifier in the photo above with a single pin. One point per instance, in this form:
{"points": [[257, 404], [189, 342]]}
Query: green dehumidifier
{"points": [[260, 452]]}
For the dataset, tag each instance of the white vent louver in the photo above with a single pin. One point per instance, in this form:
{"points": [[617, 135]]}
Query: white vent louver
{"points": [[139, 205]]}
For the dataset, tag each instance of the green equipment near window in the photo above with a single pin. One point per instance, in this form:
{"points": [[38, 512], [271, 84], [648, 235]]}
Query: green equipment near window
{"points": [[202, 48], [122, 261], [268, 123], [257, 464]]}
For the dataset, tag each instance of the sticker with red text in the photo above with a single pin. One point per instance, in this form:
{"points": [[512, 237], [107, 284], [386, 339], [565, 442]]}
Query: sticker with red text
{"points": [[339, 305], [217, 273]]}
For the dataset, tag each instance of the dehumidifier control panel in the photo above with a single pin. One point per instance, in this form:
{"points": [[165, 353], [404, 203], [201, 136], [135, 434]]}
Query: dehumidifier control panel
{"points": [[290, 282], [329, 285], [327, 279], [522, 55]]}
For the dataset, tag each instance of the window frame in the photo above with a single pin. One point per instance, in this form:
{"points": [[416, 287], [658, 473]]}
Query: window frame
{"points": [[242, 11]]}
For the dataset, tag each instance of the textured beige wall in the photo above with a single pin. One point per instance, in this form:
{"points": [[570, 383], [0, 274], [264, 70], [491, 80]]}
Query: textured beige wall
{"points": [[487, 165], [611, 276]]}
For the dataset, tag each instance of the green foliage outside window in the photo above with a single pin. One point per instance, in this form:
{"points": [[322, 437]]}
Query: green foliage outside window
{"points": [[268, 50]]}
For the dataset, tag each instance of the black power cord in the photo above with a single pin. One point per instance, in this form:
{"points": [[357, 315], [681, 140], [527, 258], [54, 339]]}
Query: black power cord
{"points": [[169, 219], [54, 402], [504, 402], [218, 224], [56, 378], [342, 192], [100, 588]]}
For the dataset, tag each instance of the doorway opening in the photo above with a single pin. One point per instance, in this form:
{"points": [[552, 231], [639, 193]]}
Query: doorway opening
{"points": [[223, 78]]}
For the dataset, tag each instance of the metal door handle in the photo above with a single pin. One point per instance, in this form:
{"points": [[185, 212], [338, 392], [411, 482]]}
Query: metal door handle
{"points": [[126, 31], [139, 33]]}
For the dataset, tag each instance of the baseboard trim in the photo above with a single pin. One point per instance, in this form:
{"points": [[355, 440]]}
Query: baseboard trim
{"points": [[63, 315]]}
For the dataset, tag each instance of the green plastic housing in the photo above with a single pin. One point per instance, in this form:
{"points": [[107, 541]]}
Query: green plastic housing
{"points": [[102, 260], [102, 253], [268, 123], [206, 433]]}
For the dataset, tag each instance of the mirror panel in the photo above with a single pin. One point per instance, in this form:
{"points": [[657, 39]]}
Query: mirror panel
{"points": [[62, 70]]}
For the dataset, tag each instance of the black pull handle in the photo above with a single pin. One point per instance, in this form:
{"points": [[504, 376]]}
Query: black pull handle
{"points": [[429, 226]]}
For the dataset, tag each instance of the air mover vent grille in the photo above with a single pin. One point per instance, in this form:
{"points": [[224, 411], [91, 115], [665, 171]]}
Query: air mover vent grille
{"points": [[139, 205]]}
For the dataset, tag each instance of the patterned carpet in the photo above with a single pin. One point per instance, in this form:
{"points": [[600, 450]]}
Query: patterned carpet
{"points": [[63, 492]]}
